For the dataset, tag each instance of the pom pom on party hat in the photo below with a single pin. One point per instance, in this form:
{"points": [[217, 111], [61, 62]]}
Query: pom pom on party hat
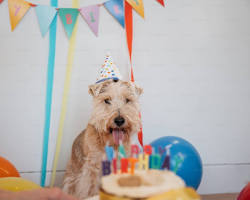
{"points": [[108, 70]]}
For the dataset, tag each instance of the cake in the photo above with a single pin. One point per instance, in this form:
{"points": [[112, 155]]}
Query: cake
{"points": [[147, 185], [144, 175]]}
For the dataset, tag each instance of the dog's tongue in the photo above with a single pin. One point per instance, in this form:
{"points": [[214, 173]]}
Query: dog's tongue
{"points": [[117, 135]]}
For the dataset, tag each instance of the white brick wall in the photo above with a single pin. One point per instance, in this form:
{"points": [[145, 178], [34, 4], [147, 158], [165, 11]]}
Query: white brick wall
{"points": [[191, 58]]}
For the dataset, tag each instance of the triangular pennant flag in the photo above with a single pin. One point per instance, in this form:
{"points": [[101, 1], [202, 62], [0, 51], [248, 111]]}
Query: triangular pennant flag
{"points": [[161, 2], [45, 15], [1, 1], [68, 17], [17, 9], [91, 15], [116, 8], [138, 6]]}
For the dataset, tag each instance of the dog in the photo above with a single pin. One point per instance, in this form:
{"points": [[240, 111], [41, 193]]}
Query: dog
{"points": [[115, 118]]}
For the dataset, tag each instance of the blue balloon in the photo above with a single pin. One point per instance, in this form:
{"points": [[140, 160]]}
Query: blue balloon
{"points": [[185, 160]]}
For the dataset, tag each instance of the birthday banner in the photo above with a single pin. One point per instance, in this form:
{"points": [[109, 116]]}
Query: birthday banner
{"points": [[46, 14]]}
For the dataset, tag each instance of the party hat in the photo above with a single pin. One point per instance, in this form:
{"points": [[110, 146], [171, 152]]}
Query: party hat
{"points": [[108, 70]]}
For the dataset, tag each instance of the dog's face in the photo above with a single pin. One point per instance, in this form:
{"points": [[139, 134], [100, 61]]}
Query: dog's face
{"points": [[116, 110]]}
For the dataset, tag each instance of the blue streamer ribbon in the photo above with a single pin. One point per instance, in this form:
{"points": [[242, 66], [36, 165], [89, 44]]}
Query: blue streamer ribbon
{"points": [[49, 90]]}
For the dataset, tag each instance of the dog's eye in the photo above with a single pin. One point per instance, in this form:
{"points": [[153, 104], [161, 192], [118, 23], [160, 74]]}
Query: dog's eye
{"points": [[127, 100], [107, 101]]}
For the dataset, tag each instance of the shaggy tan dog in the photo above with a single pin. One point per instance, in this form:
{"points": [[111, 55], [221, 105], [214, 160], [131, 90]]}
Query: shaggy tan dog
{"points": [[115, 117]]}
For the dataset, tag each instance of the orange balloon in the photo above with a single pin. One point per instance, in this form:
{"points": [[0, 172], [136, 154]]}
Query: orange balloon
{"points": [[7, 169]]}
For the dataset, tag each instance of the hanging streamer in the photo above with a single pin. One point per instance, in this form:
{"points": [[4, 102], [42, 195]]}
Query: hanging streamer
{"points": [[50, 77], [140, 134], [65, 96], [129, 34]]}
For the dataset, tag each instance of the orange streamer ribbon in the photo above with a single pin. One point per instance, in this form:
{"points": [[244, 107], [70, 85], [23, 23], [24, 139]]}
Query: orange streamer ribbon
{"points": [[140, 134], [129, 34]]}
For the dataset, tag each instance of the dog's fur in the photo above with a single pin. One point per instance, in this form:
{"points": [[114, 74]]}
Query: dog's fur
{"points": [[111, 99]]}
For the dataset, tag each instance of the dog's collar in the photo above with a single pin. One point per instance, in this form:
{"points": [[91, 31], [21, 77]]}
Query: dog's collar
{"points": [[114, 78]]}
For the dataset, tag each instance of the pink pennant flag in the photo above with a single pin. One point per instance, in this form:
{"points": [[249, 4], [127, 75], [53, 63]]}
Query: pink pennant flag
{"points": [[91, 16]]}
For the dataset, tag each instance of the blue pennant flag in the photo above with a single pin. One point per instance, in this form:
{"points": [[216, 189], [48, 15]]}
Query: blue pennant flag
{"points": [[45, 15], [116, 8]]}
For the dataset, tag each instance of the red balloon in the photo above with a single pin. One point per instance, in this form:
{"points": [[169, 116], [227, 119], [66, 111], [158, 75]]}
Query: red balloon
{"points": [[245, 193], [7, 169]]}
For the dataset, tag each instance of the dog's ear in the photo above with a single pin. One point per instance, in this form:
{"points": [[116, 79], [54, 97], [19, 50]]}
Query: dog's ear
{"points": [[98, 88], [138, 90], [94, 89]]}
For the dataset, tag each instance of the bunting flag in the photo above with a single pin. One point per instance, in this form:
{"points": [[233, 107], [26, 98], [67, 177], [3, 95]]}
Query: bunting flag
{"points": [[17, 9], [45, 15], [91, 15], [161, 2], [68, 17], [138, 6], [1, 1], [116, 8]]}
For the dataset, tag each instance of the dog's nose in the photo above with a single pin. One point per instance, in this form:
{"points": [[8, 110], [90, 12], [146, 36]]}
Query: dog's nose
{"points": [[119, 121]]}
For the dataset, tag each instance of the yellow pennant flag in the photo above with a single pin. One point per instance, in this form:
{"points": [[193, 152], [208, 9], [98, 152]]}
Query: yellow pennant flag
{"points": [[17, 9], [138, 6]]}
